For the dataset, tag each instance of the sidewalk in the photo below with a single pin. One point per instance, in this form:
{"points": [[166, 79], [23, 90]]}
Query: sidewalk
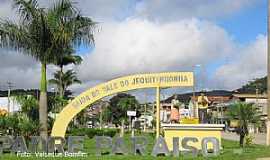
{"points": [[259, 138]]}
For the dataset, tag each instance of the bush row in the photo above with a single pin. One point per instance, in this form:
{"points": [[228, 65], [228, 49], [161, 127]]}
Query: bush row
{"points": [[92, 132]]}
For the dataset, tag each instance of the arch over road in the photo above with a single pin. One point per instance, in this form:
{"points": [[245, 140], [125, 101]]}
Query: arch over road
{"points": [[138, 81]]}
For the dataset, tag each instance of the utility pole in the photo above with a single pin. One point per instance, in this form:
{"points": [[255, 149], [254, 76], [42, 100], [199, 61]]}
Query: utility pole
{"points": [[9, 90], [157, 112], [145, 108], [268, 77], [100, 116], [195, 109], [257, 97]]}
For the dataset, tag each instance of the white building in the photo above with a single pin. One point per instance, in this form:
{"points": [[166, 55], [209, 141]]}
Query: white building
{"points": [[11, 106], [260, 100]]}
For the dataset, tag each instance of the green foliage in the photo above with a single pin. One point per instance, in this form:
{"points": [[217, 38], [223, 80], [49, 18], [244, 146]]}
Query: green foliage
{"points": [[56, 103], [67, 59], [119, 105], [18, 124], [245, 113], [64, 80], [28, 127], [92, 132], [29, 105], [81, 118], [46, 34], [249, 140], [258, 83], [230, 151]]}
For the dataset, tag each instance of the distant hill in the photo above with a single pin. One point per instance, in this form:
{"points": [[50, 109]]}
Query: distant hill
{"points": [[258, 83], [185, 97], [250, 87], [33, 92]]}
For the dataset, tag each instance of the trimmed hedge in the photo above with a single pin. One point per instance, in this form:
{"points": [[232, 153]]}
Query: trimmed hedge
{"points": [[92, 132]]}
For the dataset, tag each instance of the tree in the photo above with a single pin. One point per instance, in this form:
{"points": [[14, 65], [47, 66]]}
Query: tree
{"points": [[29, 106], [70, 30], [64, 80], [258, 83], [245, 113], [32, 36], [46, 34], [18, 124], [63, 61], [119, 105]]}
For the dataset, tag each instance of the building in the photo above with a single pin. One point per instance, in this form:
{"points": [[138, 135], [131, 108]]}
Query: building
{"points": [[219, 100], [9, 105], [93, 113], [259, 100]]}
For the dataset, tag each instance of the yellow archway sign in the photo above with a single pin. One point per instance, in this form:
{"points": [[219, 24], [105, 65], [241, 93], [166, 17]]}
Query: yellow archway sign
{"points": [[154, 80]]}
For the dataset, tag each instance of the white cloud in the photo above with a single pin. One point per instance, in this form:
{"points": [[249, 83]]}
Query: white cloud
{"points": [[23, 71], [165, 10], [105, 10], [137, 45], [249, 63], [100, 10], [159, 35], [6, 10]]}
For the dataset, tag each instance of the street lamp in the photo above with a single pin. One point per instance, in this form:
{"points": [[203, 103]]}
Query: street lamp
{"points": [[53, 106], [194, 90]]}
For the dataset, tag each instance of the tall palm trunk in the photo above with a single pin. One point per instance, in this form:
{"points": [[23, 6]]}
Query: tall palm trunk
{"points": [[243, 134], [242, 137], [43, 115], [61, 88]]}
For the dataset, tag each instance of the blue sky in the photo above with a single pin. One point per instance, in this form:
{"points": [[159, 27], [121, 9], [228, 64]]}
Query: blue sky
{"points": [[244, 26], [227, 37]]}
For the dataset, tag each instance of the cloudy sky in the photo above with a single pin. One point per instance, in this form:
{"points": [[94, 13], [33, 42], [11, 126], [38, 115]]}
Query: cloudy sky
{"points": [[227, 38]]}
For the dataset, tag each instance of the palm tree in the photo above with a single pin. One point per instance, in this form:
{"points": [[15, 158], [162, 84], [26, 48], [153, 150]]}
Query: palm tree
{"points": [[63, 61], [70, 30], [46, 34], [63, 81], [245, 114], [32, 36]]}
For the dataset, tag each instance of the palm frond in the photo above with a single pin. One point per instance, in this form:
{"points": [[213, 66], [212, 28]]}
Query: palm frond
{"points": [[53, 81], [84, 28], [26, 9], [14, 36]]}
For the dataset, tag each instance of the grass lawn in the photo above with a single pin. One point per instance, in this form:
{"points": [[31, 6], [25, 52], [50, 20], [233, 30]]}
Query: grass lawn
{"points": [[231, 151]]}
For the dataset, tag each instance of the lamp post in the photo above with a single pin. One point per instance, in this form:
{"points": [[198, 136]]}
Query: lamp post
{"points": [[53, 109], [194, 90], [100, 116], [157, 112], [145, 110]]}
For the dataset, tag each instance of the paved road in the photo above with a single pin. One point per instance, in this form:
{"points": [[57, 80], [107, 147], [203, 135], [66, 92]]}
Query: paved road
{"points": [[259, 138]]}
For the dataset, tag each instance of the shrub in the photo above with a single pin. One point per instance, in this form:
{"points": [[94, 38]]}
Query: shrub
{"points": [[249, 140], [77, 132], [92, 132]]}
